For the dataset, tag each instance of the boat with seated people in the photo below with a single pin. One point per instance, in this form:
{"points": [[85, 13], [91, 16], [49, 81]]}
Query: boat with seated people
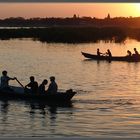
{"points": [[19, 93], [133, 58]]}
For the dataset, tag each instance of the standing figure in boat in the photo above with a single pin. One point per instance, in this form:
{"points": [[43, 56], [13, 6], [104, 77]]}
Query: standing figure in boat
{"points": [[5, 81], [52, 86], [41, 88], [109, 53], [129, 53], [98, 52], [33, 85]]}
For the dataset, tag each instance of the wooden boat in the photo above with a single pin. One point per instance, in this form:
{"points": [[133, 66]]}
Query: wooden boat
{"points": [[134, 58], [18, 93]]}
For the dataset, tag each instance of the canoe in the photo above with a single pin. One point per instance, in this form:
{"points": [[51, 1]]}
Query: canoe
{"points": [[135, 58], [18, 93]]}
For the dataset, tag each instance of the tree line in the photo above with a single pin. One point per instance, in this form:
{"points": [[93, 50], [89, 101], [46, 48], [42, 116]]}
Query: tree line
{"points": [[72, 30], [133, 22]]}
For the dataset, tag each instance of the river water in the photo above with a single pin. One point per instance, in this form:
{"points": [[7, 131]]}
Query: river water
{"points": [[107, 103]]}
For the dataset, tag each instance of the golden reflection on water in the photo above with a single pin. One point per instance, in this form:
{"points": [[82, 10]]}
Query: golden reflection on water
{"points": [[108, 99]]}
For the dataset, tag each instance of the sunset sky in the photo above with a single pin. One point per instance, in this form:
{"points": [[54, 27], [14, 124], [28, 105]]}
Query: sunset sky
{"points": [[99, 10]]}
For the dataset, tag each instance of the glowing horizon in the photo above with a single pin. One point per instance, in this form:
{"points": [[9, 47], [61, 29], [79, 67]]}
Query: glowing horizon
{"points": [[98, 10]]}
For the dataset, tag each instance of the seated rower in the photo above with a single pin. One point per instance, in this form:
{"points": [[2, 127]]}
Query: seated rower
{"points": [[41, 88], [33, 85], [98, 52], [129, 53], [109, 53], [136, 52], [5, 81], [52, 89]]}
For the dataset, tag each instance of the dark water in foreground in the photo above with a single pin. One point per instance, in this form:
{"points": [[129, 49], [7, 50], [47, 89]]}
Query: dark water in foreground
{"points": [[108, 99]]}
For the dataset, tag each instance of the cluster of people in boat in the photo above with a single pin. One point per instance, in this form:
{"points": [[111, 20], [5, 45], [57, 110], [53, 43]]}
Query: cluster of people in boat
{"points": [[108, 53], [32, 86], [136, 53]]}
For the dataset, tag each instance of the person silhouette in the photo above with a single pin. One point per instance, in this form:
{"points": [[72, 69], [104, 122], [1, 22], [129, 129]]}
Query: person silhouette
{"points": [[136, 52], [109, 53], [41, 88], [5, 80], [33, 85], [98, 52], [129, 53], [52, 86]]}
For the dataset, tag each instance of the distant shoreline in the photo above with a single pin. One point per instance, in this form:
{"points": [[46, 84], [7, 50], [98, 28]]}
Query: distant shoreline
{"points": [[71, 34], [71, 21], [71, 30]]}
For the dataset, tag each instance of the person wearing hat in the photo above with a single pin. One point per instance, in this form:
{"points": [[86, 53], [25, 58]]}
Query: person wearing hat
{"points": [[52, 86]]}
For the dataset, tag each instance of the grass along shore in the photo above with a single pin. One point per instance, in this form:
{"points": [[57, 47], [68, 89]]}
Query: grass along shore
{"points": [[72, 34]]}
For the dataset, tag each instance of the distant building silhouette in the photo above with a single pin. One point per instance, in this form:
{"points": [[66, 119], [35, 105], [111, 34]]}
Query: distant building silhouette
{"points": [[108, 16], [74, 16]]}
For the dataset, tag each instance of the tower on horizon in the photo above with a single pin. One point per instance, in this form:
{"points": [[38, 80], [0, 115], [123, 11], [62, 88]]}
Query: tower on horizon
{"points": [[108, 16]]}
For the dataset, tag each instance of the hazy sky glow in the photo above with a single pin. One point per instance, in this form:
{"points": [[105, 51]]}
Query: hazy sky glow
{"points": [[99, 10]]}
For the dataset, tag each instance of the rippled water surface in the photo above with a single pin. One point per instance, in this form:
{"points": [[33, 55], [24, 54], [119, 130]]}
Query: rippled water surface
{"points": [[107, 103]]}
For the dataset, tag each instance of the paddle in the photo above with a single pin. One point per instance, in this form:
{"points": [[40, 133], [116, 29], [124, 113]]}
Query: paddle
{"points": [[19, 83]]}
